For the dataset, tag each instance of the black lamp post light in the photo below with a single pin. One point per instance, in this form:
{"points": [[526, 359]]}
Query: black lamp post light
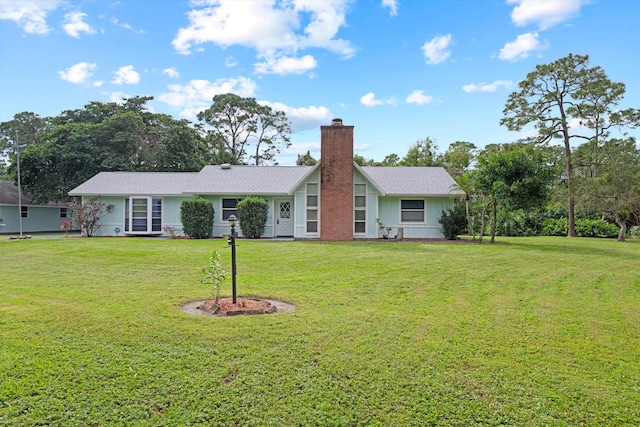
{"points": [[232, 242]]}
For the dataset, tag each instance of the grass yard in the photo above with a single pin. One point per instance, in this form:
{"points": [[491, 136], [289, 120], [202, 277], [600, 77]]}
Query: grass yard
{"points": [[525, 332]]}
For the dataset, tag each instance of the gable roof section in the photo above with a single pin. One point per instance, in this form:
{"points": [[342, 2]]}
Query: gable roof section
{"points": [[135, 184], [9, 196], [262, 180], [411, 180], [241, 179]]}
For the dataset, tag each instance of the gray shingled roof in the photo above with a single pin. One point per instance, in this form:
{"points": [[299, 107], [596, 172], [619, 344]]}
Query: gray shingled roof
{"points": [[9, 196], [265, 180], [135, 183], [214, 179], [411, 181]]}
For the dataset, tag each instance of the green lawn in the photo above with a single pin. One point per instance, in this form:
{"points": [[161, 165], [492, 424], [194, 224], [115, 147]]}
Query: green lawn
{"points": [[525, 332]]}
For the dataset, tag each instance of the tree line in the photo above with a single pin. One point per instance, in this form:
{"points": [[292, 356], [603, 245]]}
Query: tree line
{"points": [[571, 168], [59, 153]]}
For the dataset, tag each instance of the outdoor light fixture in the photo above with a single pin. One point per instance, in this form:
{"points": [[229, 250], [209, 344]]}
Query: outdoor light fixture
{"points": [[232, 241]]}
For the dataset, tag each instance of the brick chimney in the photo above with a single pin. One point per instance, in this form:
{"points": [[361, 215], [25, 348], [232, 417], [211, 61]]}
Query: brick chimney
{"points": [[336, 182]]}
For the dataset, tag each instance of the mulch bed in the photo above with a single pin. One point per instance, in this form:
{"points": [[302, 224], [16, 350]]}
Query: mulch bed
{"points": [[243, 306]]}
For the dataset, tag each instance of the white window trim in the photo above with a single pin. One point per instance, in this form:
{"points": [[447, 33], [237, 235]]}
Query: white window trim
{"points": [[149, 230], [316, 208], [424, 211], [364, 208]]}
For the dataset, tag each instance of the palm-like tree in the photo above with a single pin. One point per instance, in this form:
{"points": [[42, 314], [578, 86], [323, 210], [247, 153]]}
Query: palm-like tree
{"points": [[465, 184]]}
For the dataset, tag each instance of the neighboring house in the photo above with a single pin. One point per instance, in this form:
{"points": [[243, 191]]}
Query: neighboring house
{"points": [[35, 218], [334, 200]]}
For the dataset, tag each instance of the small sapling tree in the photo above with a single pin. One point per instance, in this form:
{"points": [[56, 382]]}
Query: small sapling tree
{"points": [[214, 274]]}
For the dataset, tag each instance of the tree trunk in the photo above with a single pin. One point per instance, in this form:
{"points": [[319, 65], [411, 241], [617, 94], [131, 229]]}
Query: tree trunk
{"points": [[482, 222], [493, 223], [623, 231], [469, 221]]}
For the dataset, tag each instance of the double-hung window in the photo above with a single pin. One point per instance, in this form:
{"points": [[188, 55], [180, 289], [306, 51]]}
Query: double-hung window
{"points": [[24, 211], [360, 208], [312, 204], [412, 210], [142, 215], [229, 207], [63, 213]]}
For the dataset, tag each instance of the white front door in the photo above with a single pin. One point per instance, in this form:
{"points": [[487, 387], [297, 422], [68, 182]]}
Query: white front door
{"points": [[284, 217]]}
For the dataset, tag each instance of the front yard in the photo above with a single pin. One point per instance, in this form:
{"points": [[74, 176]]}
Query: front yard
{"points": [[526, 332]]}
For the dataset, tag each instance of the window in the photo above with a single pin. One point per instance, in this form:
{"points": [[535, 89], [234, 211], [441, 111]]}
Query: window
{"points": [[142, 215], [312, 208], [24, 211], [229, 208], [360, 208], [63, 212], [412, 211]]}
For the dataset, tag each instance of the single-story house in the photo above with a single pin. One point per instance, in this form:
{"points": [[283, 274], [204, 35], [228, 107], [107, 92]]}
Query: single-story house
{"points": [[334, 200], [34, 217]]}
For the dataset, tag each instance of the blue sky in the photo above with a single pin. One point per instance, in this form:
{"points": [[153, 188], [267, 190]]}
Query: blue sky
{"points": [[397, 70]]}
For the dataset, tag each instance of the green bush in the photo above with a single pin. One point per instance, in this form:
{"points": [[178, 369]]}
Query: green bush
{"points": [[596, 228], [555, 227], [252, 215], [584, 228], [453, 221], [196, 216]]}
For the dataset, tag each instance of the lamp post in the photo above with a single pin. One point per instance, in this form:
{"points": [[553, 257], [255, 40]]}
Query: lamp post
{"points": [[232, 241]]}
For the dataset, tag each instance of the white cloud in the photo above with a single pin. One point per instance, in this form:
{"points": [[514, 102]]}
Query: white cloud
{"points": [[286, 65], [230, 62], [79, 73], [418, 97], [521, 47], [126, 26], [437, 49], [369, 100], [392, 5], [487, 87], [74, 24], [302, 118], [126, 75], [274, 30], [30, 15], [198, 95], [171, 72], [546, 13]]}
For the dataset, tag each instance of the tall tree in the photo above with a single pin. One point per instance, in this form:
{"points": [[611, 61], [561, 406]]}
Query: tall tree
{"points": [[243, 125], [423, 153], [518, 176], [615, 190], [458, 157], [306, 160], [555, 94], [390, 160], [28, 127], [108, 137]]}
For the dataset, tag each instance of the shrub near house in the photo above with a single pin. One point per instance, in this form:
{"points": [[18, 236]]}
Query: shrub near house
{"points": [[197, 216], [252, 214]]}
